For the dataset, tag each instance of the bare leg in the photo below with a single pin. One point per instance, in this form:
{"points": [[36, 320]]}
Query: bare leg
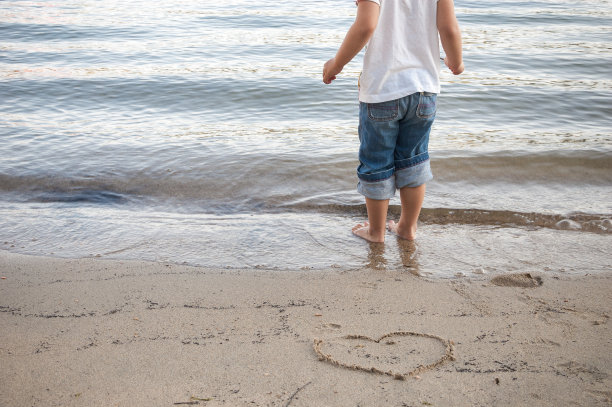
{"points": [[374, 229], [412, 200]]}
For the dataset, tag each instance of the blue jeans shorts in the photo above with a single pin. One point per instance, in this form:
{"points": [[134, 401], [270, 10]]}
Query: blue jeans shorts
{"points": [[394, 138]]}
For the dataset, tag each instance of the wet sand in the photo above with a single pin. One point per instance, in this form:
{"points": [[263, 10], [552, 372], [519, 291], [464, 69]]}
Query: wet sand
{"points": [[93, 332]]}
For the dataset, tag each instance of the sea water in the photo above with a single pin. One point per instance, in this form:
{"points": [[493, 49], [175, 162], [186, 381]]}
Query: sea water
{"points": [[200, 132]]}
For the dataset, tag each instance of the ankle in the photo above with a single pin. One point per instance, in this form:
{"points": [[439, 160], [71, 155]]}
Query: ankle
{"points": [[407, 230], [377, 235]]}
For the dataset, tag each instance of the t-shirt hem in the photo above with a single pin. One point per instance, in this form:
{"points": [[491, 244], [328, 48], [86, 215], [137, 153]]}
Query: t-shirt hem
{"points": [[395, 95]]}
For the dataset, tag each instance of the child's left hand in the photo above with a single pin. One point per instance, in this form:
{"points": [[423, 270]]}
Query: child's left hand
{"points": [[330, 71]]}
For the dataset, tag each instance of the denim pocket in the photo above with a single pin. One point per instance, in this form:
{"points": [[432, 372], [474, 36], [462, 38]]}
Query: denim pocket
{"points": [[427, 105], [384, 111]]}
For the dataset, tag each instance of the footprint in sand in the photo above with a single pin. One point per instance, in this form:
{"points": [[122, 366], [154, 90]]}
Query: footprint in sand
{"points": [[524, 280]]}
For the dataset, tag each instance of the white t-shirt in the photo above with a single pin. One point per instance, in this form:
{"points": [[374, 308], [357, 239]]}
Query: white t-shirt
{"points": [[403, 55]]}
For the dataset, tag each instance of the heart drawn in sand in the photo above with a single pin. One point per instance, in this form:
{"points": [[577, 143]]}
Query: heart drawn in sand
{"points": [[388, 355]]}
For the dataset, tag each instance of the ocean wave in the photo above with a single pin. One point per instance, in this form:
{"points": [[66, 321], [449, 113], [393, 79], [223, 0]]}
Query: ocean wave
{"points": [[63, 32], [177, 174], [591, 167], [77, 194]]}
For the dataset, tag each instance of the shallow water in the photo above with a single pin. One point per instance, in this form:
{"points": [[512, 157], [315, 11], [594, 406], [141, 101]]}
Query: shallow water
{"points": [[200, 132]]}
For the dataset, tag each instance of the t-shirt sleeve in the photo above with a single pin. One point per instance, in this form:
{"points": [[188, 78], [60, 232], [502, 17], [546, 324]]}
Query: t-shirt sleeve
{"points": [[373, 1]]}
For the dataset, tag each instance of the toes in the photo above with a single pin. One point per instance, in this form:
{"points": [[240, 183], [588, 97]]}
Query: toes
{"points": [[361, 231], [357, 227], [360, 226]]}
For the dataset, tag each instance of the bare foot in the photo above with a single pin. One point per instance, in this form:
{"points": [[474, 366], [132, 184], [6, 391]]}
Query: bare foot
{"points": [[363, 231], [408, 234]]}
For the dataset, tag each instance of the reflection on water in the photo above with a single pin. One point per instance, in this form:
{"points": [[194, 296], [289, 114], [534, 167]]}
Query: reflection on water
{"points": [[376, 256], [408, 252], [406, 255]]}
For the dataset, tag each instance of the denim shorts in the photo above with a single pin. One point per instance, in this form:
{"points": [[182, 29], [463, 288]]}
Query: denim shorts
{"points": [[394, 137]]}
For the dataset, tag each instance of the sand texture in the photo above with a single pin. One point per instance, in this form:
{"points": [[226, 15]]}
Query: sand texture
{"points": [[94, 332]]}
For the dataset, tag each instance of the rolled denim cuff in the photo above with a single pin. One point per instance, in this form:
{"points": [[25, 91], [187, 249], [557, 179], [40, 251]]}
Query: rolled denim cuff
{"points": [[413, 176], [412, 161], [379, 190], [363, 174]]}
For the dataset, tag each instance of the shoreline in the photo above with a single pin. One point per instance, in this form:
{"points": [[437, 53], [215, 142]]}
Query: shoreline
{"points": [[97, 332], [312, 242]]}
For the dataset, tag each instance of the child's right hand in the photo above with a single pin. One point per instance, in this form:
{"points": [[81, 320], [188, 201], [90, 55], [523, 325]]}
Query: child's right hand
{"points": [[455, 70]]}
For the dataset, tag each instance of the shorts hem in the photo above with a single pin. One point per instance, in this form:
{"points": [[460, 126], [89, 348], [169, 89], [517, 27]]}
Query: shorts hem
{"points": [[377, 176], [412, 161], [414, 176], [378, 190]]}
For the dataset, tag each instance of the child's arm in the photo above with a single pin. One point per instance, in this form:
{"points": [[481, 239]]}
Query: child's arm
{"points": [[450, 35], [356, 38]]}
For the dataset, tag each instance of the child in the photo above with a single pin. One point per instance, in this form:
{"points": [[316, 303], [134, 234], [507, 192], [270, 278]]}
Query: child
{"points": [[397, 95]]}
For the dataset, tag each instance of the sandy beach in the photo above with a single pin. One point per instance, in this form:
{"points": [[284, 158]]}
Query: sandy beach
{"points": [[94, 332]]}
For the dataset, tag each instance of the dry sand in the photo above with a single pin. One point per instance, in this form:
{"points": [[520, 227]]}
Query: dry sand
{"points": [[94, 332]]}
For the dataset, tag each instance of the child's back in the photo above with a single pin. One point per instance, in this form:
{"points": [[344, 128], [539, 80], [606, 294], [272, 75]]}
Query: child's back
{"points": [[403, 55], [398, 88]]}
